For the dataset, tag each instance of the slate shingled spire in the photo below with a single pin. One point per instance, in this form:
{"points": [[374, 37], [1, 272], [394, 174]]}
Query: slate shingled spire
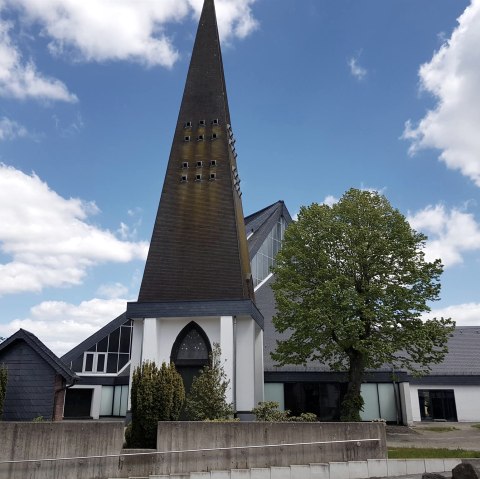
{"points": [[199, 250]]}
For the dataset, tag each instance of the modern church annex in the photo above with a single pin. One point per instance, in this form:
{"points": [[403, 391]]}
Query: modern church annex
{"points": [[207, 280]]}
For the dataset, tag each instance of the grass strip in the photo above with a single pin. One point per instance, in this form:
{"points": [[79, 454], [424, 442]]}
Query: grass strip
{"points": [[430, 453], [438, 428]]}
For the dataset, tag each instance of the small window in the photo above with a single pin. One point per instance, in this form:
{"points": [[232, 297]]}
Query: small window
{"points": [[199, 164], [200, 138], [88, 362], [186, 138], [184, 178], [201, 122], [185, 164], [198, 177], [101, 362], [187, 124], [213, 176], [213, 163], [214, 136], [215, 121]]}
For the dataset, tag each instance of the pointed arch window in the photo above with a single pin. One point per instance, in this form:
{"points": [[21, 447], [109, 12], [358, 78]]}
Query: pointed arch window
{"points": [[192, 347]]}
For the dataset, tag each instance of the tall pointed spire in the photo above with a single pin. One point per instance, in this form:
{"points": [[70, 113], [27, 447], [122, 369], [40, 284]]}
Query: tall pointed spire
{"points": [[199, 249]]}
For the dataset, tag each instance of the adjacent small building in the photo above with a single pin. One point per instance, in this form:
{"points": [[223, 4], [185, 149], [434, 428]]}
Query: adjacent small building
{"points": [[37, 379]]}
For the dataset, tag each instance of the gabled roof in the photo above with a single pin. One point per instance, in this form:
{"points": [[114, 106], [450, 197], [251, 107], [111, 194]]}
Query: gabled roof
{"points": [[45, 353], [258, 225], [94, 338]]}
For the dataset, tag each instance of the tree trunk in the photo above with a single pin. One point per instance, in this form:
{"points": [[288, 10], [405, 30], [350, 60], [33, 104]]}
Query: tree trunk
{"points": [[352, 402]]}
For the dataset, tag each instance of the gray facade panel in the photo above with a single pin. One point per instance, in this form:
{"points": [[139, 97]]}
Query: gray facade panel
{"points": [[31, 384]]}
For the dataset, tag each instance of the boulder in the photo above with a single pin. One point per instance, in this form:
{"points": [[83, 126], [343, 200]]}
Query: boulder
{"points": [[465, 471]]}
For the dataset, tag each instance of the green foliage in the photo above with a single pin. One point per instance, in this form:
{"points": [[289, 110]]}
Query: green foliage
{"points": [[268, 411], [157, 395], [38, 419], [3, 386], [207, 397], [351, 286]]}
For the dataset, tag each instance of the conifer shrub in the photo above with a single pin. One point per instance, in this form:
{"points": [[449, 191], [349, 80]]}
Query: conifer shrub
{"points": [[157, 395], [206, 400], [3, 386]]}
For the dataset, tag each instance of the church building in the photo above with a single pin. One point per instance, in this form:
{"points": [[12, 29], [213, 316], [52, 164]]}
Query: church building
{"points": [[207, 281]]}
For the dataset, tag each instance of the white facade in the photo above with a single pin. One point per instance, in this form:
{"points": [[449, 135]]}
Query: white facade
{"points": [[240, 339], [467, 401]]}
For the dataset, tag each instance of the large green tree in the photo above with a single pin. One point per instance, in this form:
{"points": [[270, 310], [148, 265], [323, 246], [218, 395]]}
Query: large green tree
{"points": [[351, 286]]}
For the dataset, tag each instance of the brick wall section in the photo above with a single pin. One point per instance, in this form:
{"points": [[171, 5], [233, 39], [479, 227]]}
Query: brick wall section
{"points": [[59, 400]]}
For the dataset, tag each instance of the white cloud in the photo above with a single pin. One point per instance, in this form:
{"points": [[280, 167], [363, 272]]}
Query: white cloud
{"points": [[330, 200], [235, 18], [48, 237], [467, 314], [112, 290], [20, 79], [356, 69], [450, 233], [10, 129], [99, 30], [61, 326], [452, 76]]}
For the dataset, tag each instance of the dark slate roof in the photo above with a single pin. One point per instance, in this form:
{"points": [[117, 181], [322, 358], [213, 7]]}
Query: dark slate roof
{"points": [[463, 358], [94, 338], [198, 250], [45, 353], [258, 225]]}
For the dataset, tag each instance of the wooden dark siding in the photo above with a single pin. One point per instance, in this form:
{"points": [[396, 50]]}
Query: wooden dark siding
{"points": [[31, 384]]}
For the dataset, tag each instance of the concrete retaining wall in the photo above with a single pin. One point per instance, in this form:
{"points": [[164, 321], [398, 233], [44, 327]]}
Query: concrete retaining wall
{"points": [[19, 441], [28, 440], [202, 435]]}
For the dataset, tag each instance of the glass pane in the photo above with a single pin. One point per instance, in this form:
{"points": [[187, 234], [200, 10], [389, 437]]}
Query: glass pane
{"points": [[274, 392], [101, 363], [89, 362], [125, 339], [371, 407], [116, 400], [124, 401], [113, 341], [388, 407], [112, 363], [192, 347], [122, 360], [106, 401], [103, 345]]}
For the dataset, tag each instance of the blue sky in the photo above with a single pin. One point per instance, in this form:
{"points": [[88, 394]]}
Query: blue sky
{"points": [[324, 96]]}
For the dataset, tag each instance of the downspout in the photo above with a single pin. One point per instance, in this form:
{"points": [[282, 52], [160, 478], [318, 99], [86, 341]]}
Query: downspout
{"points": [[395, 393], [58, 391], [234, 374]]}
